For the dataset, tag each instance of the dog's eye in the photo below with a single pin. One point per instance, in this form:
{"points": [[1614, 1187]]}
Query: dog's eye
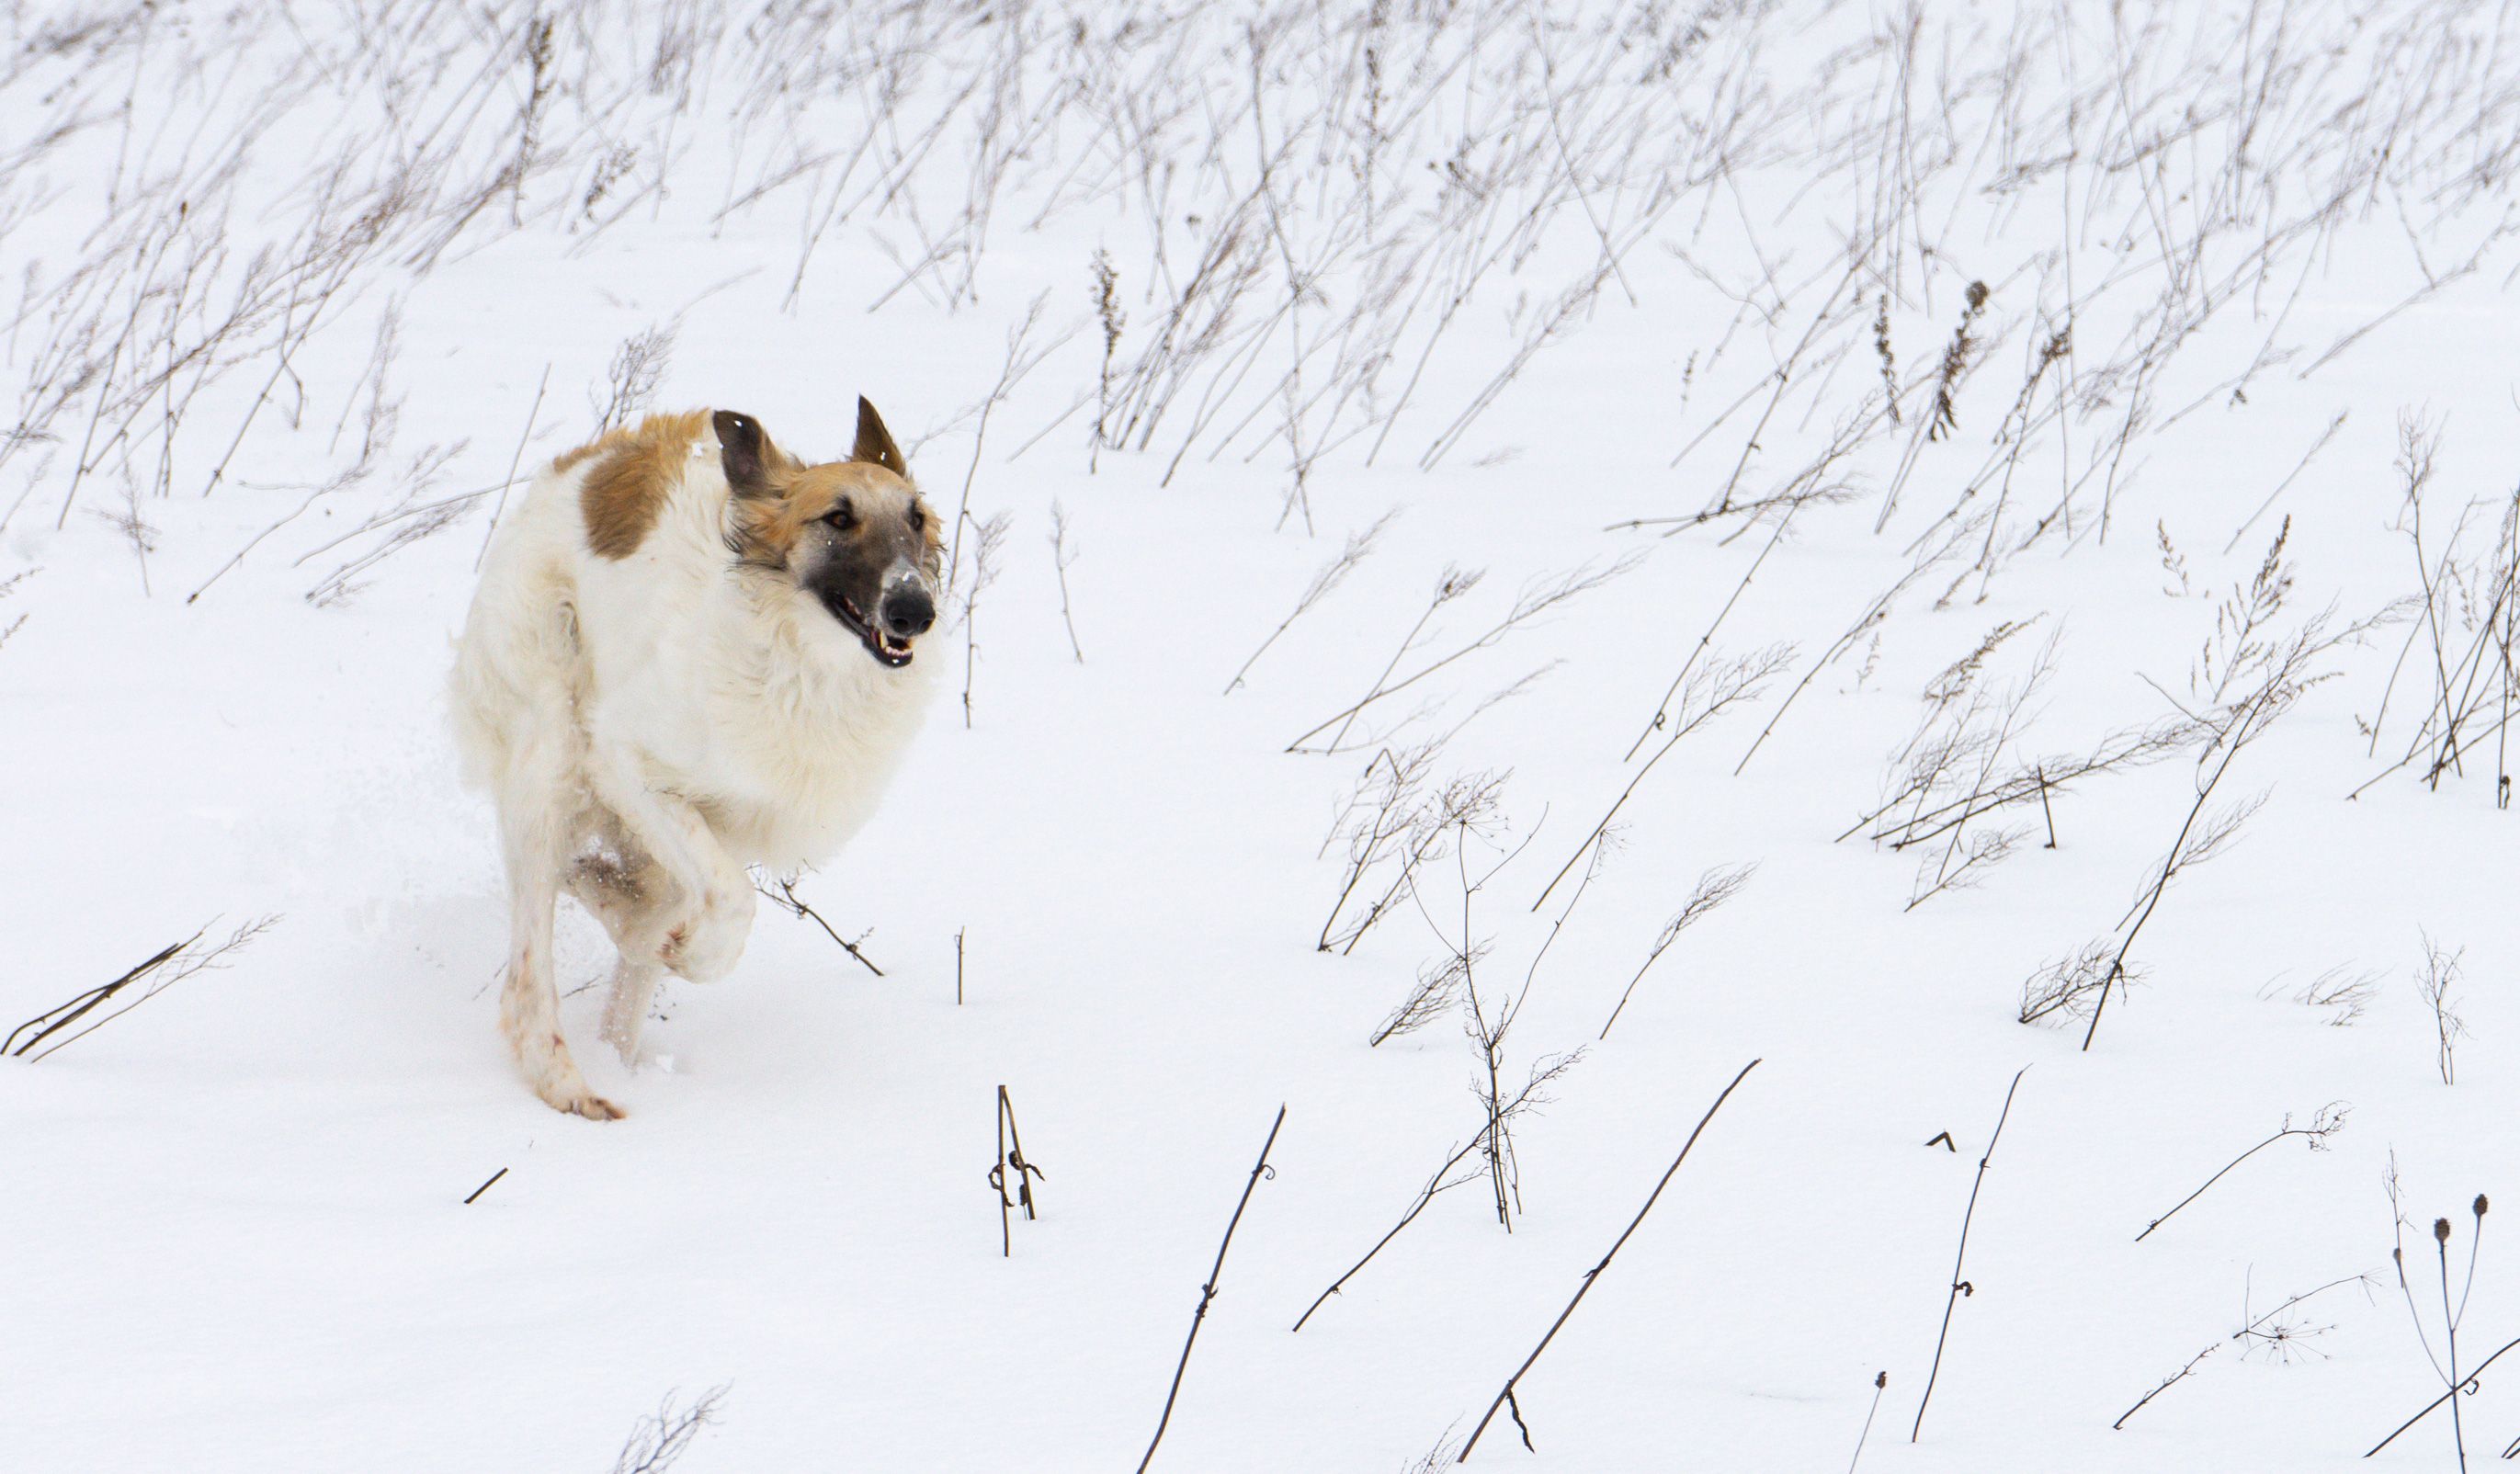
{"points": [[917, 517], [842, 517]]}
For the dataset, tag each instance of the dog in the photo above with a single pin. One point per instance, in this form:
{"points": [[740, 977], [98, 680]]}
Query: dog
{"points": [[690, 652]]}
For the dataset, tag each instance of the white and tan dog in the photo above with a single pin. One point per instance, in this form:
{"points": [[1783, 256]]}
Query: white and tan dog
{"points": [[690, 652]]}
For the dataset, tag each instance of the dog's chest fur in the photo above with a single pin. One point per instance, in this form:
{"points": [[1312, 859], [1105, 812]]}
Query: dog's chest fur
{"points": [[804, 733]]}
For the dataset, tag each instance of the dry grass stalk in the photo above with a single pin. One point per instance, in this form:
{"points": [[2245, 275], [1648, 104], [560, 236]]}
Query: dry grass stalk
{"points": [[1325, 581], [659, 1441], [80, 1016], [1714, 888], [2271, 1332], [2434, 981], [1061, 557], [780, 891], [1504, 1399], [2326, 1123]]}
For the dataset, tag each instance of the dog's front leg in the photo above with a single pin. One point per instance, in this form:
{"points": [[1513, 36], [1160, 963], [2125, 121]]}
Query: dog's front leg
{"points": [[709, 917], [706, 940]]}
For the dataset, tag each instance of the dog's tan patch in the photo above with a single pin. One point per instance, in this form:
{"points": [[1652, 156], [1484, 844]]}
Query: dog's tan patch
{"points": [[772, 524], [769, 527], [625, 490]]}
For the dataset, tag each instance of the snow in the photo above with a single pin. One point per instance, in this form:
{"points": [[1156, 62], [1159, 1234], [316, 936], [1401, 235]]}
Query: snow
{"points": [[235, 1227]]}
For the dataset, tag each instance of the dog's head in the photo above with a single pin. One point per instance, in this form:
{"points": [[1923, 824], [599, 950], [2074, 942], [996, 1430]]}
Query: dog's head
{"points": [[851, 533]]}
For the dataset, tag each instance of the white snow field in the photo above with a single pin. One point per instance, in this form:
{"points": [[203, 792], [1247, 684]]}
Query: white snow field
{"points": [[2051, 466]]}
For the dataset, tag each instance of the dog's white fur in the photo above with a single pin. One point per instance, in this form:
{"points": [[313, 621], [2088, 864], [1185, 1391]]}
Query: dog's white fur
{"points": [[648, 728]]}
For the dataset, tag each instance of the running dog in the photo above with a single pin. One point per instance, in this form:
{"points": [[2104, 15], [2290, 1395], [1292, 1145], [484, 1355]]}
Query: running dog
{"points": [[690, 652]]}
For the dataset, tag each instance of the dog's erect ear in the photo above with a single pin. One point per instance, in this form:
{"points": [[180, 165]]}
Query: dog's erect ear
{"points": [[875, 442], [744, 451]]}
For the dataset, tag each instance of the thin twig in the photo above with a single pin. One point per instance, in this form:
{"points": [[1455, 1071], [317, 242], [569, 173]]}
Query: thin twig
{"points": [[514, 461], [787, 898], [1207, 1291], [2247, 1329], [2321, 1128], [1061, 557], [1961, 1286], [1434, 1184], [1442, 1180], [1881, 1383], [2281, 486], [2466, 1383], [63, 1014], [1010, 1156], [1593, 1276], [169, 967]]}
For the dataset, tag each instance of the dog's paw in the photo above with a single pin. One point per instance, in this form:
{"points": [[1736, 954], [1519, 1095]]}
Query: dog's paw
{"points": [[646, 1060], [583, 1101], [704, 947], [563, 1089]]}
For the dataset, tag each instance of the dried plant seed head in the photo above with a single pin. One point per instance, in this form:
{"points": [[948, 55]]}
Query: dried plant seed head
{"points": [[2441, 1230], [2479, 1205], [1881, 1380]]}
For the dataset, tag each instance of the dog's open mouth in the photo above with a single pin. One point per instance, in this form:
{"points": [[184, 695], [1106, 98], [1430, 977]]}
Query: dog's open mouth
{"points": [[887, 648]]}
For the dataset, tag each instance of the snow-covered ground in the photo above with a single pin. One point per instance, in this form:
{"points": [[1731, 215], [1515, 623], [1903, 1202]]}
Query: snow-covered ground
{"points": [[293, 288]]}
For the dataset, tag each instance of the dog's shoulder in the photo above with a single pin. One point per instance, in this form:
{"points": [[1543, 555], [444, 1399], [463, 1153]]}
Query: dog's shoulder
{"points": [[630, 472]]}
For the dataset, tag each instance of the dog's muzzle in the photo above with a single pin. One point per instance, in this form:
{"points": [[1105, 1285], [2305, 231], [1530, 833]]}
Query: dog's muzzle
{"points": [[907, 609], [904, 611]]}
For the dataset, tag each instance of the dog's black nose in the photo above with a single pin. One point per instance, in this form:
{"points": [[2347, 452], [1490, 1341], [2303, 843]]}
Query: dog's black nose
{"points": [[908, 612]]}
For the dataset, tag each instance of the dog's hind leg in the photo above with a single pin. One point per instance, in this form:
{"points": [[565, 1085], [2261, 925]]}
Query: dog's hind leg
{"points": [[536, 837], [625, 1012]]}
